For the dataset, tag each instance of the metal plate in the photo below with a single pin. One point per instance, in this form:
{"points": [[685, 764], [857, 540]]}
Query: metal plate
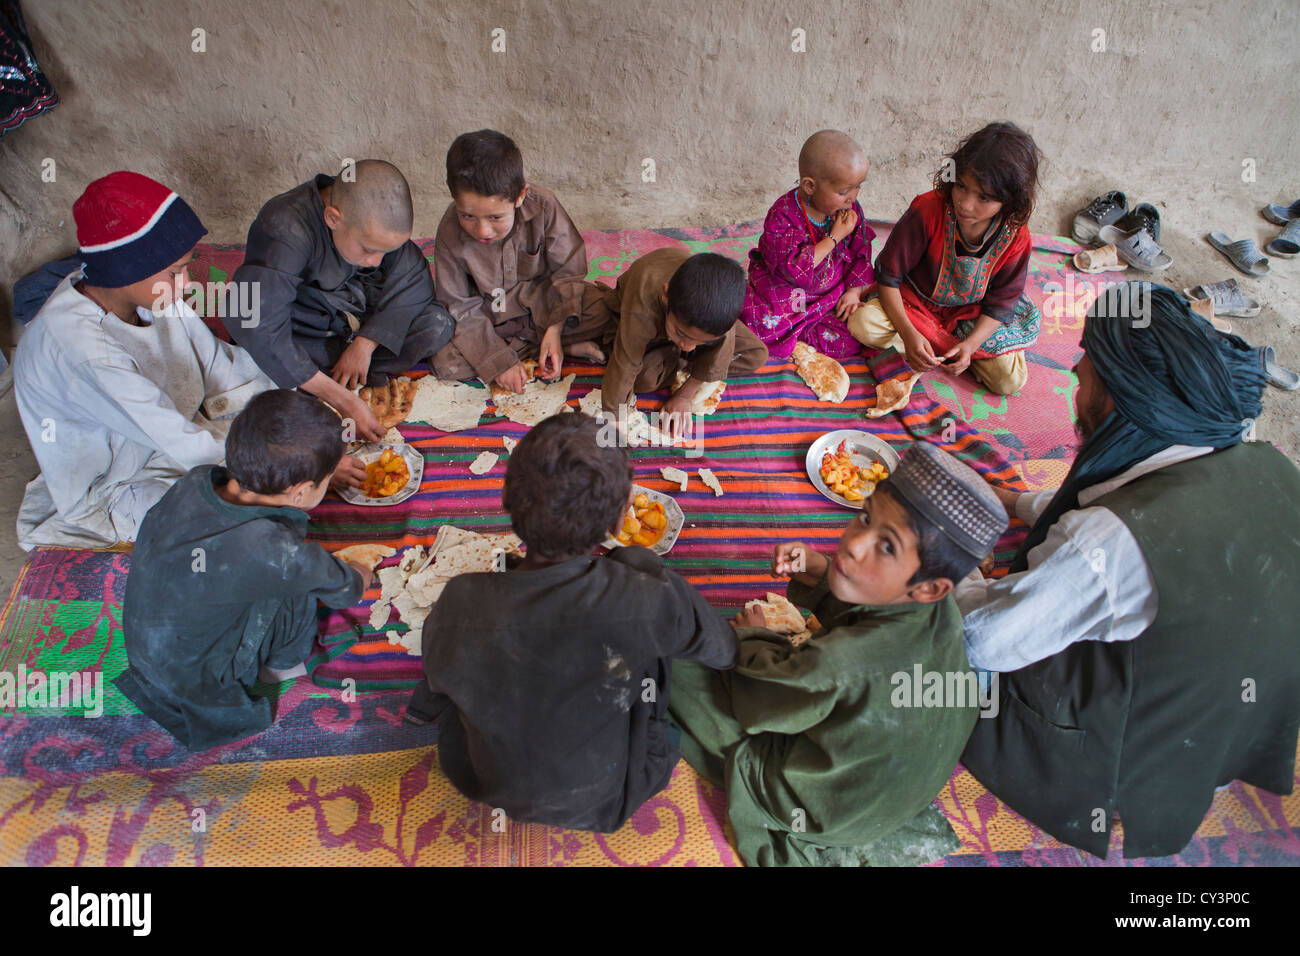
{"points": [[863, 448], [371, 452], [672, 511]]}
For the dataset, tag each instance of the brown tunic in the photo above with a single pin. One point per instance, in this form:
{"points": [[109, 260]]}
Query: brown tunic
{"points": [[540, 268], [637, 301]]}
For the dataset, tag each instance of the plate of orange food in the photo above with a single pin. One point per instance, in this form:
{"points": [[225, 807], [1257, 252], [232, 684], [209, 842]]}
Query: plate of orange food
{"points": [[653, 520], [393, 474], [847, 464]]}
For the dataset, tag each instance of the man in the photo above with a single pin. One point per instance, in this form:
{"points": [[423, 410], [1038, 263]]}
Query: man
{"points": [[1149, 619]]}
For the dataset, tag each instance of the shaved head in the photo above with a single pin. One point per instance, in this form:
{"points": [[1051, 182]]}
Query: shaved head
{"points": [[378, 198], [829, 152]]}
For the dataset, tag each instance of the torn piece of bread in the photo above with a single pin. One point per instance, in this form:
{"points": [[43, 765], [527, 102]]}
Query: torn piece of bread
{"points": [[410, 640], [675, 475], [707, 399], [447, 406], [368, 555], [510, 443], [711, 482], [379, 612], [825, 376], [779, 615], [892, 395], [484, 463]]}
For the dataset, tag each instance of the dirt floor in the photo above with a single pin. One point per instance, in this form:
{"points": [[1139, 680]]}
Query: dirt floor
{"points": [[1189, 209]]}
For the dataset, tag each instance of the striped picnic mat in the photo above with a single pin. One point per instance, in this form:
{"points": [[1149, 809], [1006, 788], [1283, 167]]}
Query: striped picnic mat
{"points": [[755, 444]]}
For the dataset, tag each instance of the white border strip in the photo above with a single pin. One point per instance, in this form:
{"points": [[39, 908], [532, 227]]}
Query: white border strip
{"points": [[153, 221]]}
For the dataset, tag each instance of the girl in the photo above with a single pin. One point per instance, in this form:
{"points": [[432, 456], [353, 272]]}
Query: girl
{"points": [[813, 262], [951, 277]]}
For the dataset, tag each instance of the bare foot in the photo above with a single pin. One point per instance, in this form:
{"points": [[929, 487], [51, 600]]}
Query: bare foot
{"points": [[586, 350]]}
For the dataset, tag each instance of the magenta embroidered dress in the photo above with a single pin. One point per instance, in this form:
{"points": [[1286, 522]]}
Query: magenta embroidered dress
{"points": [[787, 300]]}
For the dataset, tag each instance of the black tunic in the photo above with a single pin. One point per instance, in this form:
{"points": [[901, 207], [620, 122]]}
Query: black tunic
{"points": [[217, 590], [558, 680], [304, 288]]}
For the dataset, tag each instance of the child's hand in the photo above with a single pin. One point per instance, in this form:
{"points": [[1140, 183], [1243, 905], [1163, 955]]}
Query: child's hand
{"points": [[848, 303], [749, 617], [350, 473], [920, 355], [353, 366], [846, 220], [363, 417], [550, 359], [513, 379], [367, 575], [957, 359], [675, 416], [795, 560]]}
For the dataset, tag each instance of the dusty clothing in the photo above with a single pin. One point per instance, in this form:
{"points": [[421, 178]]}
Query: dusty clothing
{"points": [[199, 626], [823, 762], [117, 412], [641, 356], [558, 680], [1209, 693], [305, 292], [789, 300], [505, 294]]}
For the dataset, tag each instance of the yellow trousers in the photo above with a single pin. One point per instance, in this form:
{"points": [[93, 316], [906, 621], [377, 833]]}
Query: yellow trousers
{"points": [[1002, 374]]}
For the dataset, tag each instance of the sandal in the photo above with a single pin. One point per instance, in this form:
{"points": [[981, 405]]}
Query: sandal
{"points": [[1102, 259], [1138, 248], [1242, 253], [1277, 375], [1276, 212], [1287, 244], [1205, 309], [1102, 211], [1227, 297]]}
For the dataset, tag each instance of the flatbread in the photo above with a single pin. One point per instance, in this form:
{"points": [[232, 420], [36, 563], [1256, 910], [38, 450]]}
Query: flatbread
{"points": [[411, 559], [484, 463], [410, 641], [892, 395], [779, 615], [706, 400], [675, 475], [379, 612], [711, 482], [447, 406], [539, 401], [368, 555], [391, 582], [411, 613], [590, 404], [391, 403], [510, 443], [825, 376]]}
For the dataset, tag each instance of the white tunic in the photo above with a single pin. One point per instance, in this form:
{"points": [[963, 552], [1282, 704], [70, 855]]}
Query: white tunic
{"points": [[1086, 581], [115, 413]]}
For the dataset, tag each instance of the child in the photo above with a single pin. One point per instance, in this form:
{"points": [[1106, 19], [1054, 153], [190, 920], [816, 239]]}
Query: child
{"points": [[121, 387], [554, 676], [813, 262], [824, 761], [674, 311], [510, 266], [951, 277], [343, 296], [223, 584]]}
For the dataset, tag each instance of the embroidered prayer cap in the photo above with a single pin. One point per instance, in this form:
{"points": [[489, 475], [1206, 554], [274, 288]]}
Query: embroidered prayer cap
{"points": [[952, 496], [130, 227]]}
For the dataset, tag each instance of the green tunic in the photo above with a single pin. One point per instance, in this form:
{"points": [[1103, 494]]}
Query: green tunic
{"points": [[822, 762]]}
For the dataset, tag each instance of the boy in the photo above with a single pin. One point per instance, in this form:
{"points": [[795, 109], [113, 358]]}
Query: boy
{"points": [[223, 585], [552, 678], [510, 266], [343, 297], [674, 311], [824, 762], [121, 387]]}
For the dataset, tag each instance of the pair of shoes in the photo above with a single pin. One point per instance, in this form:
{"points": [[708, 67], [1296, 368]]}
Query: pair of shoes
{"points": [[1287, 243], [1134, 234]]}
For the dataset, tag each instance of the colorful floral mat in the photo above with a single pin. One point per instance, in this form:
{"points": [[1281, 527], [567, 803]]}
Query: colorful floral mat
{"points": [[339, 779]]}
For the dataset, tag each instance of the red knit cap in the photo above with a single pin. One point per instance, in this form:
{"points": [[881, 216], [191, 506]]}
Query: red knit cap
{"points": [[130, 227]]}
